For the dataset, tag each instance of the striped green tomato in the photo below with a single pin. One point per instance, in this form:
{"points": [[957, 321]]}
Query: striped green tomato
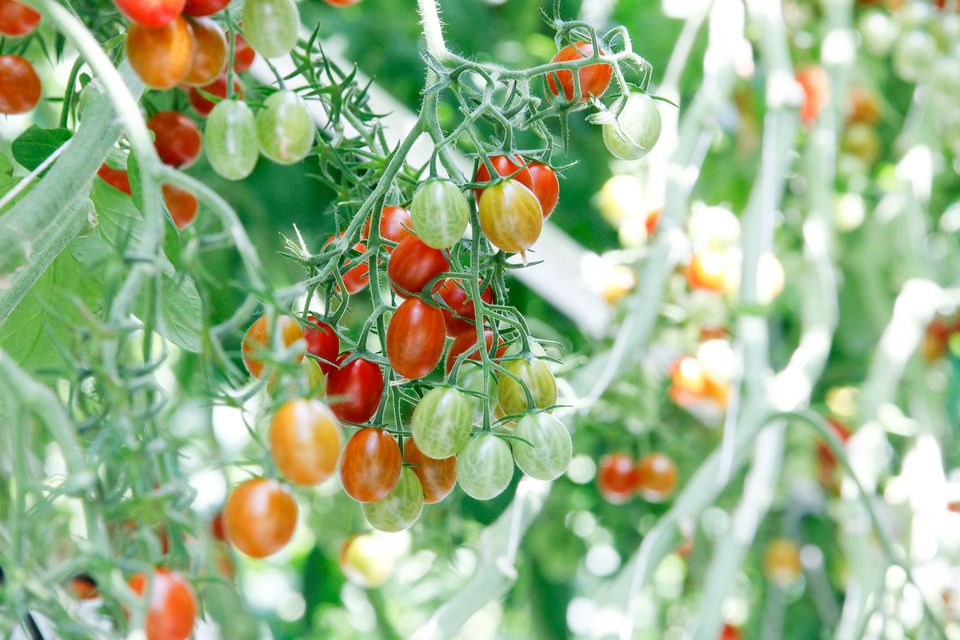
{"points": [[230, 139], [400, 509], [285, 128], [439, 213], [442, 422], [549, 450], [271, 26], [485, 467], [538, 379]]}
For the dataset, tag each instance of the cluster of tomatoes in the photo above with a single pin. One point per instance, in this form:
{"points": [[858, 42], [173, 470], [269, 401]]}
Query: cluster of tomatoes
{"points": [[20, 87], [653, 477]]}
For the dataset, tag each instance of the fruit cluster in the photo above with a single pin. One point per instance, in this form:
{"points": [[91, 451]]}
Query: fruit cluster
{"points": [[20, 87]]}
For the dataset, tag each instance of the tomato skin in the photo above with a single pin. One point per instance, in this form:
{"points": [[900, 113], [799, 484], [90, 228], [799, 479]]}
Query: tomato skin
{"points": [[617, 478], [150, 13], [439, 212], [305, 441], [504, 166], [258, 339], [539, 380], [510, 216], [271, 26], [218, 88], [83, 587], [468, 339], [781, 562], [285, 128], [636, 130], [209, 52], [461, 318], [119, 179], [395, 225], [413, 264], [260, 517], [354, 390], [437, 477], [816, 90], [231, 139], [181, 204], [356, 271], [161, 56], [729, 632], [243, 54], [176, 138], [546, 187], [371, 464], [323, 343], [19, 85], [442, 422], [400, 508], [17, 19], [656, 477], [594, 78], [341, 3], [217, 528], [172, 607], [199, 8], [415, 339], [485, 467], [550, 449]]}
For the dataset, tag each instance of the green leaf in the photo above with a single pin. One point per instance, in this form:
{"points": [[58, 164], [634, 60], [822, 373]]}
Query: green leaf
{"points": [[36, 144], [180, 312]]}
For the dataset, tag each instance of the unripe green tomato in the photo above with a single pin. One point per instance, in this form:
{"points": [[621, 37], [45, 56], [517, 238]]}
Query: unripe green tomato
{"points": [[510, 216], [539, 380], [485, 467], [550, 448], [271, 26], [230, 139], [401, 508], [439, 213], [914, 55], [442, 422], [636, 130], [285, 128]]}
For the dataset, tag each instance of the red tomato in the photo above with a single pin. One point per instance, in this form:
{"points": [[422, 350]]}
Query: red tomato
{"points": [[656, 477], [371, 465], [437, 477], [413, 264], [116, 178], [176, 138], [824, 452], [594, 78], [816, 91], [468, 339], [84, 587], [243, 54], [415, 339], [461, 318], [150, 13], [257, 339], [204, 7], [356, 271], [260, 517], [181, 204], [545, 186], [395, 225], [209, 52], [323, 343], [218, 88], [341, 3], [19, 85], [161, 56], [217, 527], [729, 632], [653, 219], [354, 390], [504, 166], [173, 605], [617, 478], [17, 19]]}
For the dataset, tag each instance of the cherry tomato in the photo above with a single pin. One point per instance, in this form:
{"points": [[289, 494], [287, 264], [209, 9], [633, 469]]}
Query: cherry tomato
{"points": [[816, 91], [415, 339], [729, 632], [323, 343], [468, 339], [305, 441], [181, 204], [545, 186], [83, 587], [442, 422], [354, 390], [119, 179], [538, 379], [285, 128], [510, 216], [17, 19], [371, 464], [19, 85], [217, 88], [617, 478], [400, 509], [231, 139], [209, 52], [460, 319], [636, 130], [366, 560], [198, 8], [161, 56], [260, 517], [257, 341], [439, 212], [356, 271], [217, 527], [437, 477], [413, 264], [656, 477], [504, 166], [151, 13], [341, 3], [652, 220], [485, 467], [271, 26], [707, 270], [173, 606], [549, 450], [781, 562], [176, 138], [594, 78], [688, 381], [395, 225], [243, 54]]}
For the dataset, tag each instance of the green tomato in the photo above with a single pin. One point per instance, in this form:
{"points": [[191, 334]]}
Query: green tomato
{"points": [[442, 422], [550, 448], [285, 128], [538, 379], [271, 26], [439, 213], [914, 55], [636, 130], [230, 139], [401, 508], [485, 467]]}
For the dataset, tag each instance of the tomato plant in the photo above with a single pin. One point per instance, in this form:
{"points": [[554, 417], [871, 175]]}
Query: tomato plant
{"points": [[161, 56], [415, 339], [176, 138], [593, 79], [230, 138], [19, 85], [260, 517], [485, 467], [370, 466], [354, 389], [305, 441], [413, 264], [17, 19], [510, 216], [437, 477], [172, 606], [442, 422]]}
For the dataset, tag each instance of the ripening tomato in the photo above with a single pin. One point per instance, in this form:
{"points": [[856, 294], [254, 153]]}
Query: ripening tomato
{"points": [[173, 605], [400, 508], [366, 560], [354, 390], [538, 379], [83, 587], [161, 56], [594, 78], [119, 179], [151, 13], [510, 216], [545, 186], [652, 220], [198, 8], [243, 54], [862, 106], [816, 91], [707, 270], [341, 3], [729, 632], [181, 204], [437, 477], [544, 447], [17, 19], [371, 464], [202, 105], [355, 272], [176, 138], [413, 264], [460, 319], [781, 562], [440, 213], [305, 441], [505, 167], [636, 130], [209, 52], [485, 467], [415, 339], [258, 340], [231, 139], [442, 422], [323, 343], [271, 26], [260, 517], [285, 128], [688, 381], [395, 225], [617, 478], [217, 527], [656, 477], [19, 85], [468, 339]]}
